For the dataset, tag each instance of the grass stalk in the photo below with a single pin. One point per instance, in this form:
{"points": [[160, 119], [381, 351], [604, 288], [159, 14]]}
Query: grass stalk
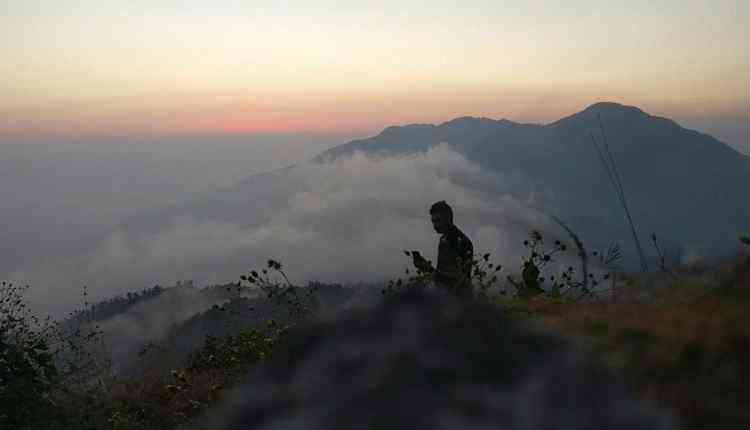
{"points": [[614, 176]]}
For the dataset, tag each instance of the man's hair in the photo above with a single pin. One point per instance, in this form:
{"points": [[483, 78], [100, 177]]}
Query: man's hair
{"points": [[442, 207]]}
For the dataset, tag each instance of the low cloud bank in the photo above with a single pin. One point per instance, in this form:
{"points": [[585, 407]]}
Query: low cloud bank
{"points": [[347, 221], [126, 334]]}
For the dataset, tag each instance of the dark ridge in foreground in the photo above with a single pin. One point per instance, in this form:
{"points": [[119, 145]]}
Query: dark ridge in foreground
{"points": [[422, 362]]}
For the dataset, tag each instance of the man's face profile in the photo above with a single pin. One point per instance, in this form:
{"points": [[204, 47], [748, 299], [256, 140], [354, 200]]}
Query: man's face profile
{"points": [[439, 222]]}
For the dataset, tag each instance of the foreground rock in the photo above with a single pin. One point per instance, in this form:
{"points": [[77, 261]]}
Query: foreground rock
{"points": [[427, 362]]}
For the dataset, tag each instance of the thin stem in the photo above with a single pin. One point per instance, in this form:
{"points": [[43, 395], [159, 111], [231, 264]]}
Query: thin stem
{"points": [[581, 251], [662, 263], [617, 182]]}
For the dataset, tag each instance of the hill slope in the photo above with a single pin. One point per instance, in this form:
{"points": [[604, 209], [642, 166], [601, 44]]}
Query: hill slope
{"points": [[681, 184]]}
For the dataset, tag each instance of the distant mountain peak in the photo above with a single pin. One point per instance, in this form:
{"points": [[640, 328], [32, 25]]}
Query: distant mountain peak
{"points": [[604, 109], [612, 107], [469, 120], [393, 129]]}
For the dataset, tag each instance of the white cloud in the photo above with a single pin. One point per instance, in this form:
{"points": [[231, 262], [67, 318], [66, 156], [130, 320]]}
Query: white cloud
{"points": [[345, 221]]}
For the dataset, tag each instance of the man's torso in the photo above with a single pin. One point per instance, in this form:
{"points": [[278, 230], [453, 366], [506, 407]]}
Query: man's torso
{"points": [[455, 253]]}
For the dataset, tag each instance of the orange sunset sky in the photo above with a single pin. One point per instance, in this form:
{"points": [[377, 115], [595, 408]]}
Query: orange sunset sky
{"points": [[84, 68]]}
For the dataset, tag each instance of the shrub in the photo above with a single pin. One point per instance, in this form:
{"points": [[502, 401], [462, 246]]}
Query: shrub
{"points": [[536, 278], [235, 353], [27, 361], [49, 372], [275, 284]]}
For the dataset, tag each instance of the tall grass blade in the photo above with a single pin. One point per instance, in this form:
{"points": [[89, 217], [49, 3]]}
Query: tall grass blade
{"points": [[614, 176]]}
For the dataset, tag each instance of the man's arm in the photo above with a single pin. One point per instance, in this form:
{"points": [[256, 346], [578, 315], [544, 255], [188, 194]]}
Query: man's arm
{"points": [[420, 263]]}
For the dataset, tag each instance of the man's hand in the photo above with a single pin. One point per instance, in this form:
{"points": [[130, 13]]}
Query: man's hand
{"points": [[420, 263]]}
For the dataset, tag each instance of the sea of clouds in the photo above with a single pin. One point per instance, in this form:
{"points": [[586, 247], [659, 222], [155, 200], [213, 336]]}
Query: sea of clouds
{"points": [[345, 221]]}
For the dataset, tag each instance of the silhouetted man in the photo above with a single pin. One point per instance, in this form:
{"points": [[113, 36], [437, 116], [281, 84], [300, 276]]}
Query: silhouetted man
{"points": [[455, 254]]}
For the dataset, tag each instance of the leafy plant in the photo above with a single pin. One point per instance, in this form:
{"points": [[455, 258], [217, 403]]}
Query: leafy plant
{"points": [[482, 277], [49, 372], [236, 352], [27, 360], [274, 282], [538, 258], [534, 281]]}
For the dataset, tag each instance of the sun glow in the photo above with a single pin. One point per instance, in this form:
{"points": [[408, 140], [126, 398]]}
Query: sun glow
{"points": [[101, 67]]}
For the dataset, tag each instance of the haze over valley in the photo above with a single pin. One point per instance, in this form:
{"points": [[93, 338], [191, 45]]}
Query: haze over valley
{"points": [[117, 220]]}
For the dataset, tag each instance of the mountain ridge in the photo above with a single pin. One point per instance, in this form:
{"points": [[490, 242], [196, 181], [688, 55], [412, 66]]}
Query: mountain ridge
{"points": [[423, 136], [683, 185], [667, 170]]}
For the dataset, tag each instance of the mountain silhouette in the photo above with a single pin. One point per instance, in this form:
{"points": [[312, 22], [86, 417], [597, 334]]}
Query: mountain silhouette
{"points": [[687, 187], [411, 138]]}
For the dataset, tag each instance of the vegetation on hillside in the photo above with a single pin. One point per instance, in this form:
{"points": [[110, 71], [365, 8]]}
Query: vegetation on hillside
{"points": [[680, 336]]}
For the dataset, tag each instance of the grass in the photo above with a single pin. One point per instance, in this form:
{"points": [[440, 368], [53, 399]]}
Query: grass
{"points": [[687, 348], [682, 341]]}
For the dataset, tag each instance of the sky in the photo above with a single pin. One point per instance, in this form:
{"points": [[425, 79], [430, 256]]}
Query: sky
{"points": [[92, 68]]}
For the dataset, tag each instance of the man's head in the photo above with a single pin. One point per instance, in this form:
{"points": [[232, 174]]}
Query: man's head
{"points": [[441, 215]]}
